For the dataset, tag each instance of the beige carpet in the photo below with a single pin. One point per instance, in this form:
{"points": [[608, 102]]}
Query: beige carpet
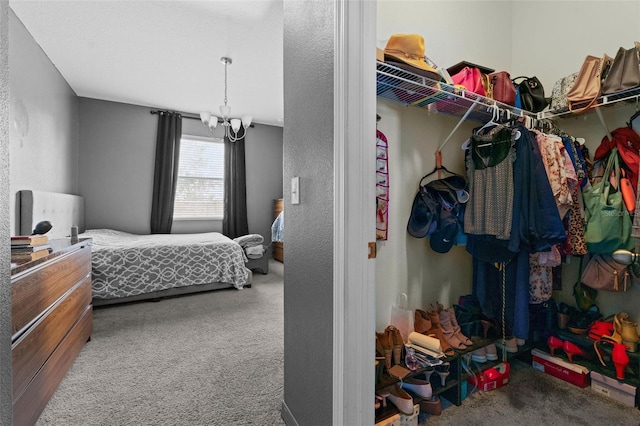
{"points": [[533, 398], [212, 358]]}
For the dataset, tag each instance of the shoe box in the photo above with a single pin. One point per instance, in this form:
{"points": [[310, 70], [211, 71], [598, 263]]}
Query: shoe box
{"points": [[491, 378], [573, 373], [402, 419], [622, 392]]}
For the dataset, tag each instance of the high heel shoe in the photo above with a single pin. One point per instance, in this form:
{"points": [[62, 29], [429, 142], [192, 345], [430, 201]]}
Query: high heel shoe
{"points": [[572, 350], [421, 322], [443, 372], [383, 347], [448, 330], [627, 329], [427, 374], [619, 355], [381, 395], [395, 341], [554, 343], [437, 332], [456, 328]]}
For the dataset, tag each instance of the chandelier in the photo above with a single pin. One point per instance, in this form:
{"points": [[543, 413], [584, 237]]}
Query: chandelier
{"points": [[231, 126]]}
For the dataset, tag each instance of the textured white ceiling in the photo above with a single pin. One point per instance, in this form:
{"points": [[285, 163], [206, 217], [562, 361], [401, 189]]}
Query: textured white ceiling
{"points": [[166, 53]]}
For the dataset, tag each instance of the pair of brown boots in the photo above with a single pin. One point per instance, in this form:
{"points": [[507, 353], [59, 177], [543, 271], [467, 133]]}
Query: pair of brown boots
{"points": [[442, 324], [389, 344]]}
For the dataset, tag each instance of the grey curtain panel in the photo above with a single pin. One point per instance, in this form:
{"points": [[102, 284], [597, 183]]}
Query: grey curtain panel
{"points": [[234, 220], [165, 174]]}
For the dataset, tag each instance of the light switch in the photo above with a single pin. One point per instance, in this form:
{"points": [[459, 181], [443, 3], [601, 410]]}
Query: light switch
{"points": [[295, 190]]}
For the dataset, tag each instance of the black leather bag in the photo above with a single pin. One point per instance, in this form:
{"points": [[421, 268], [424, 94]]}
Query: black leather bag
{"points": [[531, 94]]}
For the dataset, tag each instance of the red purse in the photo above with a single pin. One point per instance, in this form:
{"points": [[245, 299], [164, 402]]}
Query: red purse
{"points": [[471, 79], [503, 89]]}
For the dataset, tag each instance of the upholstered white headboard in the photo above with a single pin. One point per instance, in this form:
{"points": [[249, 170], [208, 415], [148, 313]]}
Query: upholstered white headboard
{"points": [[62, 210]]}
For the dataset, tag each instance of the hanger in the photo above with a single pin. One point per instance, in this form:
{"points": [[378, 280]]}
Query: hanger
{"points": [[495, 116], [438, 168]]}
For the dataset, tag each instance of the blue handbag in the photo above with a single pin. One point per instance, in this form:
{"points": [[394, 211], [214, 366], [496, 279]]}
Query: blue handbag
{"points": [[518, 103]]}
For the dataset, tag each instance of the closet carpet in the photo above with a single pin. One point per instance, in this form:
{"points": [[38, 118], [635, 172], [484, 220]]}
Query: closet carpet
{"points": [[534, 398], [212, 358]]}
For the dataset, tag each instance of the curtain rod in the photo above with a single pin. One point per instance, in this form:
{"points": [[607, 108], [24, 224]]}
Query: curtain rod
{"points": [[183, 114], [190, 116]]}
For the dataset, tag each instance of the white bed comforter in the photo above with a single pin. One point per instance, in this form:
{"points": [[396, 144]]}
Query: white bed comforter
{"points": [[125, 264]]}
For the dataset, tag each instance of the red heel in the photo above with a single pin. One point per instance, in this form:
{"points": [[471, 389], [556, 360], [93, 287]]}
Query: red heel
{"points": [[571, 349], [618, 355], [620, 359], [554, 343]]}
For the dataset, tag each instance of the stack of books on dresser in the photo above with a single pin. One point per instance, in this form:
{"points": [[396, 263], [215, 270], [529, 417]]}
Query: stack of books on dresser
{"points": [[25, 248]]}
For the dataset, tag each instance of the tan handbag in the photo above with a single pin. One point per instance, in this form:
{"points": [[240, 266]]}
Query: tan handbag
{"points": [[604, 273], [625, 71], [588, 85]]}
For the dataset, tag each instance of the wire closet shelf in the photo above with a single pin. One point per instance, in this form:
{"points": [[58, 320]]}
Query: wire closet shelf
{"points": [[399, 85]]}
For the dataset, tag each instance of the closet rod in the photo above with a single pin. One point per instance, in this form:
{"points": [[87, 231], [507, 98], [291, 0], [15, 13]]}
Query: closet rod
{"points": [[464, 117]]}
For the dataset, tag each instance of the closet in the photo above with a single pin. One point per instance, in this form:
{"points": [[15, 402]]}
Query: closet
{"points": [[417, 122]]}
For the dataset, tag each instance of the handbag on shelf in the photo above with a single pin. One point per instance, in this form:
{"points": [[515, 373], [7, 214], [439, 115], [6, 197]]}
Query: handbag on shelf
{"points": [[588, 85], [531, 94], [471, 79], [502, 87], [608, 225], [625, 71], [604, 273], [559, 102]]}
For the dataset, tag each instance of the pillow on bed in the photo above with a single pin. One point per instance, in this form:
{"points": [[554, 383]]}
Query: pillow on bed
{"points": [[249, 240]]}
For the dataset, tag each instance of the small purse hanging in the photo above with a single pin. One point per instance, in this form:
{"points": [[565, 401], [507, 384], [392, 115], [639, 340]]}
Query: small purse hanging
{"points": [[604, 273], [608, 225], [588, 85], [624, 73]]}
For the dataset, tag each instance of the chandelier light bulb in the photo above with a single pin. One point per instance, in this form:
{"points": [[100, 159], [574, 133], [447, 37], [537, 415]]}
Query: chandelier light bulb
{"points": [[246, 121], [235, 124], [205, 116], [225, 111]]}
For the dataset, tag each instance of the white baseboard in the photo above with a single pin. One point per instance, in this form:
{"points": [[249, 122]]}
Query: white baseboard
{"points": [[287, 416]]}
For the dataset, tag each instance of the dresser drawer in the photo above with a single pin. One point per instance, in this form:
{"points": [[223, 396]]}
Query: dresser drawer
{"points": [[28, 406], [33, 348], [36, 289]]}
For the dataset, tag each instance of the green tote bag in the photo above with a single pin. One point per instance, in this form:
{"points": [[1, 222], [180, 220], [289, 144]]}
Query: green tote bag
{"points": [[608, 222]]}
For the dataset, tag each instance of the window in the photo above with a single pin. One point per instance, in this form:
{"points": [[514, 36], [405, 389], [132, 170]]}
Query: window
{"points": [[200, 187]]}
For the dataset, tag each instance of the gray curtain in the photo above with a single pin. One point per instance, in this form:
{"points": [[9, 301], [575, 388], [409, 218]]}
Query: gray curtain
{"points": [[165, 174], [234, 220]]}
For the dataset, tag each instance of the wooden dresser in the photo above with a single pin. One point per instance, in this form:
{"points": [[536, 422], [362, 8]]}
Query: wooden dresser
{"points": [[278, 246], [51, 321]]}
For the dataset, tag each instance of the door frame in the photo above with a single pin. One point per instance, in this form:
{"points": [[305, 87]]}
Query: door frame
{"points": [[354, 213]]}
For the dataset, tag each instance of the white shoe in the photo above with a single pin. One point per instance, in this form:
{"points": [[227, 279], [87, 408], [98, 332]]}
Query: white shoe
{"points": [[401, 399], [510, 345], [492, 352], [479, 355], [420, 387]]}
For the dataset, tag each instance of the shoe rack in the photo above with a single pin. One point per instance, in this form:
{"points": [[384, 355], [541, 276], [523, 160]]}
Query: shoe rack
{"points": [[452, 389], [590, 359]]}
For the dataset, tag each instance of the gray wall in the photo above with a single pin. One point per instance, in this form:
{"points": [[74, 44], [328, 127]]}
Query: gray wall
{"points": [[117, 151], [44, 122], [308, 153], [6, 389]]}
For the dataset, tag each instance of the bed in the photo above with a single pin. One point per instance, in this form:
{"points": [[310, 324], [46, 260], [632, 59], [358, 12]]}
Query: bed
{"points": [[129, 267]]}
